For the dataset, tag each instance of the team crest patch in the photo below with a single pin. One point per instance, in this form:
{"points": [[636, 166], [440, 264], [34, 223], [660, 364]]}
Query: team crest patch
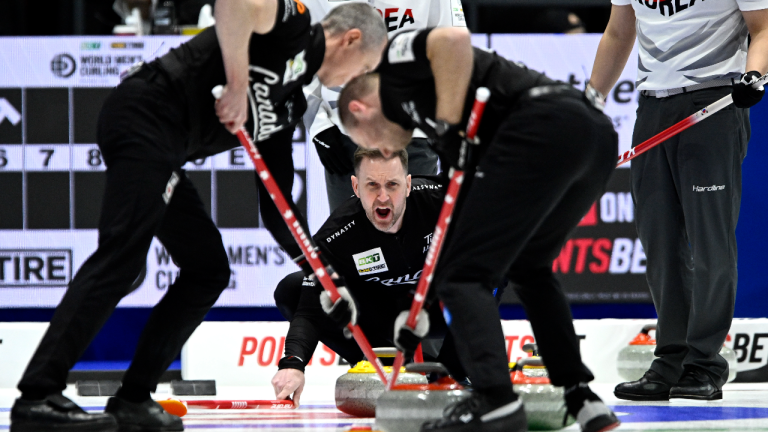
{"points": [[295, 67], [401, 48], [370, 262], [170, 187]]}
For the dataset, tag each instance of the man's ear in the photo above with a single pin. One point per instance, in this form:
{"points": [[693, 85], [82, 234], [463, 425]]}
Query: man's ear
{"points": [[357, 108], [355, 184], [408, 183], [352, 36]]}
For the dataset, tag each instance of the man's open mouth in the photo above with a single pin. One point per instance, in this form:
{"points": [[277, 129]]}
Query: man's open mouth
{"points": [[383, 212]]}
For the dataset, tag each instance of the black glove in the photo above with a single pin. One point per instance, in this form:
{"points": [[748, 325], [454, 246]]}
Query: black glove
{"points": [[330, 149], [452, 147], [344, 310], [406, 339], [744, 94]]}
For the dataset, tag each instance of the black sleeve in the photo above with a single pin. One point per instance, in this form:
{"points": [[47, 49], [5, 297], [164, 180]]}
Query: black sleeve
{"points": [[406, 56], [303, 335]]}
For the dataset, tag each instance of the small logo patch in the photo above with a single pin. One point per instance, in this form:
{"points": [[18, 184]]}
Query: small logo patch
{"points": [[169, 188], [294, 68], [708, 188], [401, 48], [370, 262]]}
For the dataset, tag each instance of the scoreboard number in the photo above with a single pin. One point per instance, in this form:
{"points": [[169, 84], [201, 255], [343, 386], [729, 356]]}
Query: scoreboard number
{"points": [[48, 153], [51, 157], [87, 157], [94, 157]]}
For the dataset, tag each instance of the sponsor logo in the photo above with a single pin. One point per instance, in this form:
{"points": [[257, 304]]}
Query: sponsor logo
{"points": [[295, 67], [266, 351], [712, 188], [264, 117], [343, 229], [87, 46], [428, 238], [457, 14], [170, 187], [601, 255], [370, 262], [127, 45], [35, 267], [402, 280], [401, 48], [63, 65], [426, 186]]}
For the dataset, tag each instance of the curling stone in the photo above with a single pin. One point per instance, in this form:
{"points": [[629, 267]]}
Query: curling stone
{"points": [[544, 403], [634, 360], [358, 389], [408, 406]]}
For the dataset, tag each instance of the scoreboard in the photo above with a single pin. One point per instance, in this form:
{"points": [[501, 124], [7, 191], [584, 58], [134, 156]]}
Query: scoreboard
{"points": [[52, 177]]}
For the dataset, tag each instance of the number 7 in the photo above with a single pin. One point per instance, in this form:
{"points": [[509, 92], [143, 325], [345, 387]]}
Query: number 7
{"points": [[48, 153]]}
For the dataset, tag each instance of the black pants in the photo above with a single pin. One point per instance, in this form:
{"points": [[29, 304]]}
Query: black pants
{"points": [[687, 193], [547, 163], [421, 160], [379, 332], [137, 121]]}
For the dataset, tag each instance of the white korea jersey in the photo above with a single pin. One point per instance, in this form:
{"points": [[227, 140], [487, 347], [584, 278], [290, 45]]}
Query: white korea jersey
{"points": [[399, 16], [688, 42]]}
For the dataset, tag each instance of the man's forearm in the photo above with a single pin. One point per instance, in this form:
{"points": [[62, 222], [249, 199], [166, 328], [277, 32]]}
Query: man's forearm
{"points": [[757, 57], [612, 55], [614, 49], [302, 339], [236, 20], [450, 54]]}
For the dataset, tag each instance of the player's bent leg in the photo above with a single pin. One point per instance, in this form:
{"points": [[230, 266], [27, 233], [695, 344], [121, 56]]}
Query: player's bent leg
{"points": [[195, 245], [131, 212]]}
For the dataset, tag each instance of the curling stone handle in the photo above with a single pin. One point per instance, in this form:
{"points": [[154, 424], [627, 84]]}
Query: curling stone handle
{"points": [[647, 328], [385, 352], [428, 367], [530, 361], [531, 348]]}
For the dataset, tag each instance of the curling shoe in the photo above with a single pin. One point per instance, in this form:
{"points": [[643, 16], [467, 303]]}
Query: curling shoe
{"points": [[59, 414], [651, 387], [589, 410], [695, 384], [147, 416], [475, 414]]}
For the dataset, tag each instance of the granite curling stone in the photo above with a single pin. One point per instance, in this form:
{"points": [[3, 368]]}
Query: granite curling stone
{"points": [[544, 403], [358, 389], [636, 358], [407, 406]]}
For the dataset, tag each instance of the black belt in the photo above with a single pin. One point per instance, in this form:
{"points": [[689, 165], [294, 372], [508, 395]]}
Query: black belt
{"points": [[560, 90]]}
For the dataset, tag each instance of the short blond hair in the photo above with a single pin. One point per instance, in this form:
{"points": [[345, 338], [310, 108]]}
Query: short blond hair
{"points": [[363, 153]]}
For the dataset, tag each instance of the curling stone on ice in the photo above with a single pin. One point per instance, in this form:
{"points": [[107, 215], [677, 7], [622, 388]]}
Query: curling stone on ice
{"points": [[408, 406], [544, 403], [358, 389], [634, 360]]}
